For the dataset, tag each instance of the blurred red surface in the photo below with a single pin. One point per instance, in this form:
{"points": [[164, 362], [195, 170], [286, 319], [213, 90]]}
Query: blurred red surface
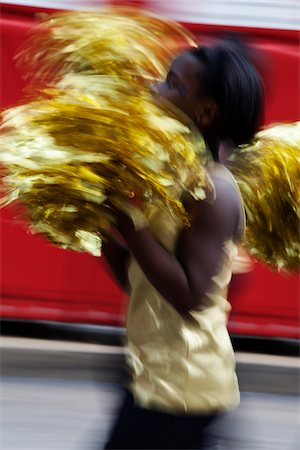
{"points": [[42, 282]]}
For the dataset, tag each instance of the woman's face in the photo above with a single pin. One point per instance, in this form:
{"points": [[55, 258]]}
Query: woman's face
{"points": [[183, 86]]}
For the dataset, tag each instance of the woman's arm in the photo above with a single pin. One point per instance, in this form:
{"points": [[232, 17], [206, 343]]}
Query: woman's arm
{"points": [[183, 278]]}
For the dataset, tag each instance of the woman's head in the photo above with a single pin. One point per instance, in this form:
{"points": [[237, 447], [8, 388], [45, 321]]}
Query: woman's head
{"points": [[219, 89]]}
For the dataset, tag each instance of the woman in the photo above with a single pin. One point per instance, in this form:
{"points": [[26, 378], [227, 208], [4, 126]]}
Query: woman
{"points": [[180, 358]]}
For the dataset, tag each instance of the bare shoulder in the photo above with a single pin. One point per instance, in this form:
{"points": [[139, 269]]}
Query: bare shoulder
{"points": [[200, 246], [221, 216]]}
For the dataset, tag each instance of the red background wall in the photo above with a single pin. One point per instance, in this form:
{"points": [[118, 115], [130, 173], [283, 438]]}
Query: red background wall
{"points": [[40, 281]]}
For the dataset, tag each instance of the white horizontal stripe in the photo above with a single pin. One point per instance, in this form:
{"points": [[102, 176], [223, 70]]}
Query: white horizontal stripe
{"points": [[15, 343], [267, 360], [280, 14], [283, 14]]}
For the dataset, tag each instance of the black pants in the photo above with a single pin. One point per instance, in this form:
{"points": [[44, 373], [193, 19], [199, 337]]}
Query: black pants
{"points": [[139, 428]]}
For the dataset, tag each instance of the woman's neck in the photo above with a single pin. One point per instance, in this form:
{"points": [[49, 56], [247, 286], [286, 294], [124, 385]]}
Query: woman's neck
{"points": [[214, 146]]}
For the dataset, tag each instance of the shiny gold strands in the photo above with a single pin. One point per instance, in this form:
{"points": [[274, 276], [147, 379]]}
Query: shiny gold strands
{"points": [[75, 156], [96, 138], [268, 174], [117, 41]]}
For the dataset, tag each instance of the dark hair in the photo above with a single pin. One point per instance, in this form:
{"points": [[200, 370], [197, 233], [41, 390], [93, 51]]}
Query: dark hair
{"points": [[232, 80]]}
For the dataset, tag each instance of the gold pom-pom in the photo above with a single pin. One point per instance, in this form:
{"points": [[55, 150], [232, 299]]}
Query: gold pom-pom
{"points": [[121, 42], [97, 137], [268, 175]]}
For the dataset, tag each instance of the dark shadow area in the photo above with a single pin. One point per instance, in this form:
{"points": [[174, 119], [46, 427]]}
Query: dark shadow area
{"points": [[271, 346], [107, 335], [57, 331]]}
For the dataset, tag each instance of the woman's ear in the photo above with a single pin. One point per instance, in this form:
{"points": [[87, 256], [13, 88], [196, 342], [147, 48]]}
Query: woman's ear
{"points": [[207, 113]]}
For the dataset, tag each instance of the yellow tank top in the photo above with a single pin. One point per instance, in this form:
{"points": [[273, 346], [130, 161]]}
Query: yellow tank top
{"points": [[181, 363]]}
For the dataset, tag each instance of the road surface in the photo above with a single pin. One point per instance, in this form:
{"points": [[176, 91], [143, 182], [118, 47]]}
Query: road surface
{"points": [[62, 403]]}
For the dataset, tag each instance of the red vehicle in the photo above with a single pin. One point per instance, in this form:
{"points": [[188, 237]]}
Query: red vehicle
{"points": [[42, 282]]}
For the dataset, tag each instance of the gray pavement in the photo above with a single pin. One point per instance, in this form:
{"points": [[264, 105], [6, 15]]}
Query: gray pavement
{"points": [[50, 414], [64, 395]]}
